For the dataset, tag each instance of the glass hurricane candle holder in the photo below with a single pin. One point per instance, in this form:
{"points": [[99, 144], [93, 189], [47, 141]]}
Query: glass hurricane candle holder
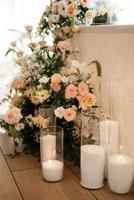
{"points": [[92, 154], [51, 151], [47, 111]]}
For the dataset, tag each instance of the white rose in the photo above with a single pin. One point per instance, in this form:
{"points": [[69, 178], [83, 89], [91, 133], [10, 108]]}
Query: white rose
{"points": [[59, 112]]}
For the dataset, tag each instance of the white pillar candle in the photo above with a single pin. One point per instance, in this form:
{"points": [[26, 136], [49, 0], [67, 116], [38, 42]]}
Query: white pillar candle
{"points": [[109, 134], [120, 173], [52, 170], [92, 166], [48, 147]]}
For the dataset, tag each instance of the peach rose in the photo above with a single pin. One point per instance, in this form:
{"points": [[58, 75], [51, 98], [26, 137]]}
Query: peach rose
{"points": [[56, 78], [35, 100], [13, 116], [55, 86], [83, 89], [64, 46], [84, 3], [71, 10], [70, 114], [71, 91], [87, 101], [19, 84]]}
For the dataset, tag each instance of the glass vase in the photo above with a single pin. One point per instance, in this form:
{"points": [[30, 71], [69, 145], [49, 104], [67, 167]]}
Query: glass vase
{"points": [[92, 154], [51, 151], [47, 111]]}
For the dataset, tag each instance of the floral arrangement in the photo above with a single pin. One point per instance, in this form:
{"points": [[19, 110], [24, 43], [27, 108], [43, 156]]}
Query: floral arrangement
{"points": [[50, 74]]}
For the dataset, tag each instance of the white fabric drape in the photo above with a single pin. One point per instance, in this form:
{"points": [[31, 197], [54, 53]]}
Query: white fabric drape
{"points": [[14, 14]]}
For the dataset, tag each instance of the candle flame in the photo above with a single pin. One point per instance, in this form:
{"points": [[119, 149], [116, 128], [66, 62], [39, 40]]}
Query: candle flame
{"points": [[121, 148]]}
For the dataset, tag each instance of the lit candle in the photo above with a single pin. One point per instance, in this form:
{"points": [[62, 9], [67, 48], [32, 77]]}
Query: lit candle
{"points": [[52, 170], [48, 147], [109, 134], [92, 166], [120, 173]]}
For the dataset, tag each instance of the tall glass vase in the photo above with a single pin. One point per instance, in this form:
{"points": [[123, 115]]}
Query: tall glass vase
{"points": [[48, 111], [92, 154]]}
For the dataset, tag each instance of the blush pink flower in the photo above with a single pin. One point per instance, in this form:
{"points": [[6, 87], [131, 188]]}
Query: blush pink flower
{"points": [[13, 116], [83, 89], [70, 114], [55, 86], [35, 100], [56, 78], [71, 10], [64, 46], [71, 91]]}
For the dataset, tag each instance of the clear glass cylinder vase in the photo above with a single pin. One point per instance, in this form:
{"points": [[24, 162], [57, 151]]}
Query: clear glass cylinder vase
{"points": [[92, 154], [47, 111], [51, 152]]}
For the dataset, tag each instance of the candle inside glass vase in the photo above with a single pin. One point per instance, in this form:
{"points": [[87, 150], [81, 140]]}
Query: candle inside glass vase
{"points": [[120, 173], [92, 154], [51, 147]]}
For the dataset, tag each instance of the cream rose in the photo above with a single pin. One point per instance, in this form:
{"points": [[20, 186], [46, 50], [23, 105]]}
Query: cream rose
{"points": [[13, 116]]}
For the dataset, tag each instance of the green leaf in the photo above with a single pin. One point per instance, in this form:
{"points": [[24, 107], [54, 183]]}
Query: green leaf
{"points": [[98, 66], [9, 50], [13, 132]]}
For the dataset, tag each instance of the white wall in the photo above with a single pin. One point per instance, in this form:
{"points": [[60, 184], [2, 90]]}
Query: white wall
{"points": [[113, 46]]}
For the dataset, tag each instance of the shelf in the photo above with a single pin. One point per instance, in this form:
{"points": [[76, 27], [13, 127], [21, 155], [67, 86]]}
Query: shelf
{"points": [[108, 28]]}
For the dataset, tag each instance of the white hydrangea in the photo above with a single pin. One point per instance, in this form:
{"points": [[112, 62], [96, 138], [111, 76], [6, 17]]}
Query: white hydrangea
{"points": [[65, 79], [59, 112], [44, 80], [73, 79]]}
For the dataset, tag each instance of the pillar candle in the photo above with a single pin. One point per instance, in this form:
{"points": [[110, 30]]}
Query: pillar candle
{"points": [[92, 166], [109, 134], [52, 170], [120, 173], [48, 147]]}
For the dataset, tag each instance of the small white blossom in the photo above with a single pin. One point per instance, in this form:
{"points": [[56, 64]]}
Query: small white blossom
{"points": [[59, 112], [44, 79], [78, 65], [73, 79], [19, 126], [54, 18], [65, 79]]}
